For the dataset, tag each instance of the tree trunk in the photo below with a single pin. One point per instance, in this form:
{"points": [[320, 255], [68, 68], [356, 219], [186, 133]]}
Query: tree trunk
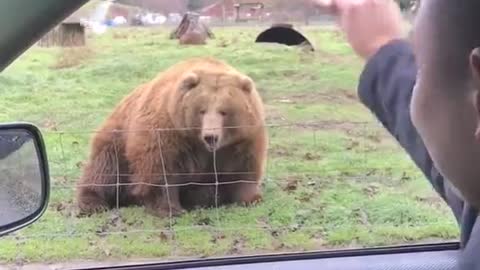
{"points": [[190, 20]]}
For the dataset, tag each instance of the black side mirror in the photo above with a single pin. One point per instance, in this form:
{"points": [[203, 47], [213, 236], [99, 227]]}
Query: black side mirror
{"points": [[24, 176]]}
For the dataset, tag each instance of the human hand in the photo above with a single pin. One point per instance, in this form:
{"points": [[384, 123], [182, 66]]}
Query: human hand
{"points": [[368, 24]]}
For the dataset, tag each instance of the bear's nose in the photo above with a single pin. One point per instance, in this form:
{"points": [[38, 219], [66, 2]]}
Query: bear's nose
{"points": [[211, 140]]}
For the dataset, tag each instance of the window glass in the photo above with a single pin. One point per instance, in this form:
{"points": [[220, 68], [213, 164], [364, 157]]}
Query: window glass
{"points": [[334, 177]]}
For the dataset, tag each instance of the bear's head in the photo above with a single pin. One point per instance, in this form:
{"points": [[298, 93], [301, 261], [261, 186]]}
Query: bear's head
{"points": [[217, 108]]}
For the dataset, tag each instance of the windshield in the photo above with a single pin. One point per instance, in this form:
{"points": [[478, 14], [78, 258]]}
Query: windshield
{"points": [[333, 178]]}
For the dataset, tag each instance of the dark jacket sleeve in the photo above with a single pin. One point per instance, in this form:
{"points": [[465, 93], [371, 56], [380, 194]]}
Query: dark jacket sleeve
{"points": [[385, 87]]}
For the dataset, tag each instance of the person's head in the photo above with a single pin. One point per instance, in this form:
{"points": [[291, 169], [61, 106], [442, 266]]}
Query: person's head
{"points": [[446, 99]]}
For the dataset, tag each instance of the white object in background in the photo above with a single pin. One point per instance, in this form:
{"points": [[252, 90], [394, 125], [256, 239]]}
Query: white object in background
{"points": [[153, 18], [98, 28], [119, 20], [205, 19], [100, 13]]}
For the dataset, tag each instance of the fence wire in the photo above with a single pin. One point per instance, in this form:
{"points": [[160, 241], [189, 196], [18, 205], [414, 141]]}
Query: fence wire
{"points": [[289, 144]]}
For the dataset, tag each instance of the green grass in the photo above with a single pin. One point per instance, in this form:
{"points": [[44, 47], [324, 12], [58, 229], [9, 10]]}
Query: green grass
{"points": [[338, 181]]}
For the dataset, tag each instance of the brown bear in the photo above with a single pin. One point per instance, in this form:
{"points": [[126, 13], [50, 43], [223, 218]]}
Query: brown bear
{"points": [[194, 136]]}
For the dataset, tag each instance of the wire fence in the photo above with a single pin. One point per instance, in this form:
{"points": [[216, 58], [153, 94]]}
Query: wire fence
{"points": [[308, 157]]}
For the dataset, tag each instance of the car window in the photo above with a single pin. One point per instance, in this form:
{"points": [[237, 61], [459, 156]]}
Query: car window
{"points": [[334, 178]]}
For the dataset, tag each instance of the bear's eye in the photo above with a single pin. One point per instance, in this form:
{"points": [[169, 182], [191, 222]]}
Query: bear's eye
{"points": [[203, 111], [223, 113]]}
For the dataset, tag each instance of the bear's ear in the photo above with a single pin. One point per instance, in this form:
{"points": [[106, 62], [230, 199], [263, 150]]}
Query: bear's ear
{"points": [[189, 81], [247, 84]]}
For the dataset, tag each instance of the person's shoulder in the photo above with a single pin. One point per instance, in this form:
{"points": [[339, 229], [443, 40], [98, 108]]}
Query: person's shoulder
{"points": [[394, 49]]}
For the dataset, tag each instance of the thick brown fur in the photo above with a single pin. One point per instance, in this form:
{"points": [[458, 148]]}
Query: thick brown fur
{"points": [[160, 133]]}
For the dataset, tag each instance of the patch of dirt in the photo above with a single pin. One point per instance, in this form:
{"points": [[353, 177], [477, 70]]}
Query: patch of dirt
{"points": [[164, 237], [434, 201], [49, 124], [371, 190], [377, 135], [113, 221], [289, 73], [293, 75], [362, 144], [223, 42], [59, 207], [236, 39], [277, 244], [347, 127], [352, 144], [362, 135], [310, 156], [59, 180], [150, 43], [405, 178], [306, 196], [291, 184], [361, 216], [280, 151], [274, 116], [72, 57], [120, 35], [238, 246], [80, 164], [218, 236], [341, 96], [204, 221], [67, 209], [361, 130]]}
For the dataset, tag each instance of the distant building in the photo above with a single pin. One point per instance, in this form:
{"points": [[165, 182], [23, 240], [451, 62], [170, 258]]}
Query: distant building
{"points": [[217, 9], [69, 33], [228, 8], [159, 6]]}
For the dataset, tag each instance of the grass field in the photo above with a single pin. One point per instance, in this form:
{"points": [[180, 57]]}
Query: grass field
{"points": [[335, 178]]}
